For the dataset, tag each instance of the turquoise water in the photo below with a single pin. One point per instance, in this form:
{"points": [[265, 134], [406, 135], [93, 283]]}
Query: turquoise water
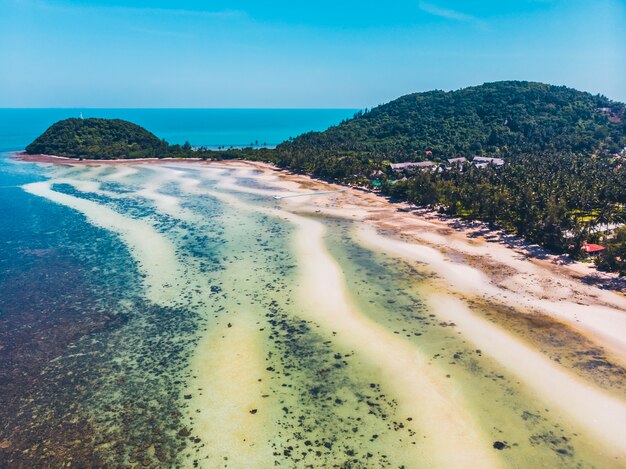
{"points": [[201, 127], [168, 316]]}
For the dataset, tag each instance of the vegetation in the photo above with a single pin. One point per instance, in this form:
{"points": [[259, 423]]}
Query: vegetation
{"points": [[494, 119], [102, 139], [614, 258], [564, 150], [554, 200]]}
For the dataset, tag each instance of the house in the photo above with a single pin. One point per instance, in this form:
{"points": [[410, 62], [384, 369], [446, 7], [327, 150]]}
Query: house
{"points": [[399, 167], [482, 161], [457, 161], [592, 249]]}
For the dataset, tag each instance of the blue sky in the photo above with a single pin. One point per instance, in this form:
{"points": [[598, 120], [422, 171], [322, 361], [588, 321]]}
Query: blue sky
{"points": [[353, 54]]}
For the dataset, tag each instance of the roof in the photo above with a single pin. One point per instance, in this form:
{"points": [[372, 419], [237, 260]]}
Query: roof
{"points": [[484, 159], [592, 248], [460, 160], [420, 164]]}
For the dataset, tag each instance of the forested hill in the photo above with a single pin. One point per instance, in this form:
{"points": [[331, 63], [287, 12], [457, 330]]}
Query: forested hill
{"points": [[97, 139], [494, 119]]}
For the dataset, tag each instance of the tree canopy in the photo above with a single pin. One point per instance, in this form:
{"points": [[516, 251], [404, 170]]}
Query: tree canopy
{"points": [[495, 119], [101, 139], [564, 174]]}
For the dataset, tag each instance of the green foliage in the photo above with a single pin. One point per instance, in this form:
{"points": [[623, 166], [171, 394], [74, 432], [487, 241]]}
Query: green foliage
{"points": [[103, 139], [554, 200], [561, 178], [495, 119], [562, 175], [614, 258]]}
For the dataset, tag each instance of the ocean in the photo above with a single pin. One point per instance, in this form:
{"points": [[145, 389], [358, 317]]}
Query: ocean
{"points": [[180, 315], [201, 127]]}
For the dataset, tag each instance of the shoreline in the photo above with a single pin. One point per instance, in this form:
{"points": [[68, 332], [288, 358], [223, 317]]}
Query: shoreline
{"points": [[22, 156], [456, 283], [466, 280], [584, 272]]}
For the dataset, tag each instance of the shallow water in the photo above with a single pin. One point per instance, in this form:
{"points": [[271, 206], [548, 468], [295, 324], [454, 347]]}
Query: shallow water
{"points": [[179, 316]]}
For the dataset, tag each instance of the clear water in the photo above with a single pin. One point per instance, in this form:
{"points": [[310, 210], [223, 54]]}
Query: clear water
{"points": [[204, 350], [201, 127]]}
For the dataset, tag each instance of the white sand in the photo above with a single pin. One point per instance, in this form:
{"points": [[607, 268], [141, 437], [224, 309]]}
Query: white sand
{"points": [[153, 253], [591, 409], [422, 391], [606, 325], [229, 364], [121, 172]]}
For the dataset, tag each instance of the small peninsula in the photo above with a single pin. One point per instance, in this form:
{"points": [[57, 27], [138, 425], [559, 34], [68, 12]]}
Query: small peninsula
{"points": [[98, 139]]}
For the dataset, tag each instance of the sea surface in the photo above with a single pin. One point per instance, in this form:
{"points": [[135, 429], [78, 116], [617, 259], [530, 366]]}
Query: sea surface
{"points": [[178, 315], [201, 127]]}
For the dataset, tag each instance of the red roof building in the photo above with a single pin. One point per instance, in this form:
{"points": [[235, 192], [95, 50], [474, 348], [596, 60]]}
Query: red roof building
{"points": [[592, 248]]}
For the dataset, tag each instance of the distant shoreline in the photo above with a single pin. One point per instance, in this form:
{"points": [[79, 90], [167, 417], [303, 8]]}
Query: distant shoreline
{"points": [[23, 156], [584, 271]]}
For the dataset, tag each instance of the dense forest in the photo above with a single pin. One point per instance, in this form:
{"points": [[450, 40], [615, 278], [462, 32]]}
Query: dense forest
{"points": [[494, 119], [101, 139], [563, 182], [109, 139], [555, 199], [559, 201]]}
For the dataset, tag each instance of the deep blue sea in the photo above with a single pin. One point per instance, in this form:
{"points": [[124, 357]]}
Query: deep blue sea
{"points": [[201, 127]]}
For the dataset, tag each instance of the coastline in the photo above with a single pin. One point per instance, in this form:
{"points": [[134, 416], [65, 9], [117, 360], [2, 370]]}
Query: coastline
{"points": [[404, 214], [22, 156], [533, 316], [486, 290]]}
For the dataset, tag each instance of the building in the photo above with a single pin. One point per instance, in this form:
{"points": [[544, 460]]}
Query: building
{"points": [[399, 167], [457, 161], [482, 161], [592, 249]]}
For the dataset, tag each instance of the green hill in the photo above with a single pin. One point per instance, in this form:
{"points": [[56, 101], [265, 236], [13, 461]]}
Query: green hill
{"points": [[494, 119], [102, 139]]}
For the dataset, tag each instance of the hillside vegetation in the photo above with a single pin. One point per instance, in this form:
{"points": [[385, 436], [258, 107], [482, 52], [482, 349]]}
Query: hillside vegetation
{"points": [[495, 119], [563, 180], [101, 139]]}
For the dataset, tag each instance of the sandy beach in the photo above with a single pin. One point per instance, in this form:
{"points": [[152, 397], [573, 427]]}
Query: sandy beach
{"points": [[523, 278], [547, 336]]}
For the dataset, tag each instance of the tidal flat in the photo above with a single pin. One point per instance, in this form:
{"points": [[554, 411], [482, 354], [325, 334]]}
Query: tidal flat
{"points": [[179, 315]]}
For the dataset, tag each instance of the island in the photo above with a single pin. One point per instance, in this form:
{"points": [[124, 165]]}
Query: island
{"points": [[543, 162], [100, 139]]}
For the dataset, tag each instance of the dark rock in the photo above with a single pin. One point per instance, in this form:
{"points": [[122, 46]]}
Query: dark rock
{"points": [[500, 445]]}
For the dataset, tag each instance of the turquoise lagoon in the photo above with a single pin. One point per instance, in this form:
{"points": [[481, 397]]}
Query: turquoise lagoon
{"points": [[172, 316]]}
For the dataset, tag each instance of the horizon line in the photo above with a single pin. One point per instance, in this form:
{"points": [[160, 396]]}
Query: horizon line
{"points": [[193, 108]]}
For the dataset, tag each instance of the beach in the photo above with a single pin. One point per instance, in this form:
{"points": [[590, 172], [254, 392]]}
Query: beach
{"points": [[340, 328], [475, 269]]}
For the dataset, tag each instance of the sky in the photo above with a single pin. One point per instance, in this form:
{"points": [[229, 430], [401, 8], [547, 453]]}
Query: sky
{"points": [[296, 54]]}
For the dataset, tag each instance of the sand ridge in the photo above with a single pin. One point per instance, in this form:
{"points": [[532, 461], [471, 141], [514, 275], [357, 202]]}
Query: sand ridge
{"points": [[463, 267]]}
